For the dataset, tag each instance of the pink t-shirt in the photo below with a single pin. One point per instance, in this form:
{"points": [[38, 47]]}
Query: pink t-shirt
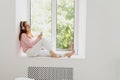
{"points": [[27, 42]]}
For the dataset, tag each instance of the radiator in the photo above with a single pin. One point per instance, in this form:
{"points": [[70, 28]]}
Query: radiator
{"points": [[50, 73]]}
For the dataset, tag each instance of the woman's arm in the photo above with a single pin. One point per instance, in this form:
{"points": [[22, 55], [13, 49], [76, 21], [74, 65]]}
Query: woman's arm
{"points": [[28, 41]]}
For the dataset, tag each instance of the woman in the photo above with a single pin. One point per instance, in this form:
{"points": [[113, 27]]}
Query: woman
{"points": [[32, 47]]}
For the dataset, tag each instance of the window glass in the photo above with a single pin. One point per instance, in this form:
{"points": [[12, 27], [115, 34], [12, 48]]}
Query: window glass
{"points": [[41, 17], [65, 25]]}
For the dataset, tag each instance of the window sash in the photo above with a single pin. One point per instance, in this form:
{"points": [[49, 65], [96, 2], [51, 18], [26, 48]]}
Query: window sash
{"points": [[54, 22], [73, 25]]}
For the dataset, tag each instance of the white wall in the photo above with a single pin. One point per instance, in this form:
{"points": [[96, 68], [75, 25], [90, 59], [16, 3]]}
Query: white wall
{"points": [[21, 14], [116, 33], [21, 10], [103, 42]]}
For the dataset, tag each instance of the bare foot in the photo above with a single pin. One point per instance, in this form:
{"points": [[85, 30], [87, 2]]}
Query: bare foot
{"points": [[55, 56], [69, 54]]}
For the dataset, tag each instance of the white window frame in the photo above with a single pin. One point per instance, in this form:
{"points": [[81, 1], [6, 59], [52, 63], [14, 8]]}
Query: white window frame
{"points": [[79, 26]]}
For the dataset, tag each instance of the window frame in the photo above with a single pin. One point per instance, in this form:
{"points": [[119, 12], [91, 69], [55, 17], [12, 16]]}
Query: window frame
{"points": [[54, 24], [79, 25]]}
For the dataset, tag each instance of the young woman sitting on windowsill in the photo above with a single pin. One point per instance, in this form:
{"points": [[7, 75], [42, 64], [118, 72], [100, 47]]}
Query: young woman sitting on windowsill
{"points": [[32, 47]]}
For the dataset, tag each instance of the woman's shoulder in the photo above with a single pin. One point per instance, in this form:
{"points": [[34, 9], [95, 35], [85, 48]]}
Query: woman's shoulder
{"points": [[24, 35]]}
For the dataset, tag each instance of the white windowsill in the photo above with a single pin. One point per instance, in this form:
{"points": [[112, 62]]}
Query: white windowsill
{"points": [[72, 57]]}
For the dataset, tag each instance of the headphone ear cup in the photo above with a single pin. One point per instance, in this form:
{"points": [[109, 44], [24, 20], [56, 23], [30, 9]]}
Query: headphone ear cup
{"points": [[23, 28]]}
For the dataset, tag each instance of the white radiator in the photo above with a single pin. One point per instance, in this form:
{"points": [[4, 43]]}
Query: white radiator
{"points": [[50, 73]]}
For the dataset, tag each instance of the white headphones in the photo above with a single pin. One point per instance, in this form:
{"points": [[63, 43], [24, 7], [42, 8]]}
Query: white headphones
{"points": [[23, 28]]}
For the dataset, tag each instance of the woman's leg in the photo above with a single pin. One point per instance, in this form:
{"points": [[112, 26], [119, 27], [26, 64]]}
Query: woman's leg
{"points": [[36, 51], [48, 46], [69, 54], [53, 54]]}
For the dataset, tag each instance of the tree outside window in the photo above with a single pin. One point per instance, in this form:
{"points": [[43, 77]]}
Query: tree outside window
{"points": [[65, 24], [41, 21]]}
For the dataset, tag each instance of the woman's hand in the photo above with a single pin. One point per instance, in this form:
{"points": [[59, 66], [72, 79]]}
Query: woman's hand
{"points": [[40, 35]]}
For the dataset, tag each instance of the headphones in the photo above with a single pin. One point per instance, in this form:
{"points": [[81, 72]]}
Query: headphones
{"points": [[23, 28]]}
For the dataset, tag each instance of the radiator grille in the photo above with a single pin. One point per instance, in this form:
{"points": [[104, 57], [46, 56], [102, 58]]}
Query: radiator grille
{"points": [[50, 73]]}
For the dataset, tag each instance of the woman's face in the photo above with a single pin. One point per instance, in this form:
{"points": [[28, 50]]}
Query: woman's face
{"points": [[27, 27]]}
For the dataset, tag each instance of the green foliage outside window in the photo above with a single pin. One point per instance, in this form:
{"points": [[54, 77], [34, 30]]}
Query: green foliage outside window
{"points": [[41, 21], [65, 23]]}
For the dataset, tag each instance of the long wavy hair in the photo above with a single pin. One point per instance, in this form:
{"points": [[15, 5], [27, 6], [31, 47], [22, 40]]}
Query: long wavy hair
{"points": [[23, 28]]}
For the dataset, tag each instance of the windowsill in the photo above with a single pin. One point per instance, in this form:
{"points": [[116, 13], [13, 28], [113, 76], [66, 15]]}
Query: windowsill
{"points": [[76, 56], [23, 55], [72, 57]]}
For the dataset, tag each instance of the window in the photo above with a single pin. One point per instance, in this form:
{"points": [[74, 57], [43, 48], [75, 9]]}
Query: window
{"points": [[65, 25], [41, 17], [62, 22]]}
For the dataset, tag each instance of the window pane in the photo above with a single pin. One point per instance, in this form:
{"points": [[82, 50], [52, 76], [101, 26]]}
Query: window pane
{"points": [[65, 24], [41, 17]]}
